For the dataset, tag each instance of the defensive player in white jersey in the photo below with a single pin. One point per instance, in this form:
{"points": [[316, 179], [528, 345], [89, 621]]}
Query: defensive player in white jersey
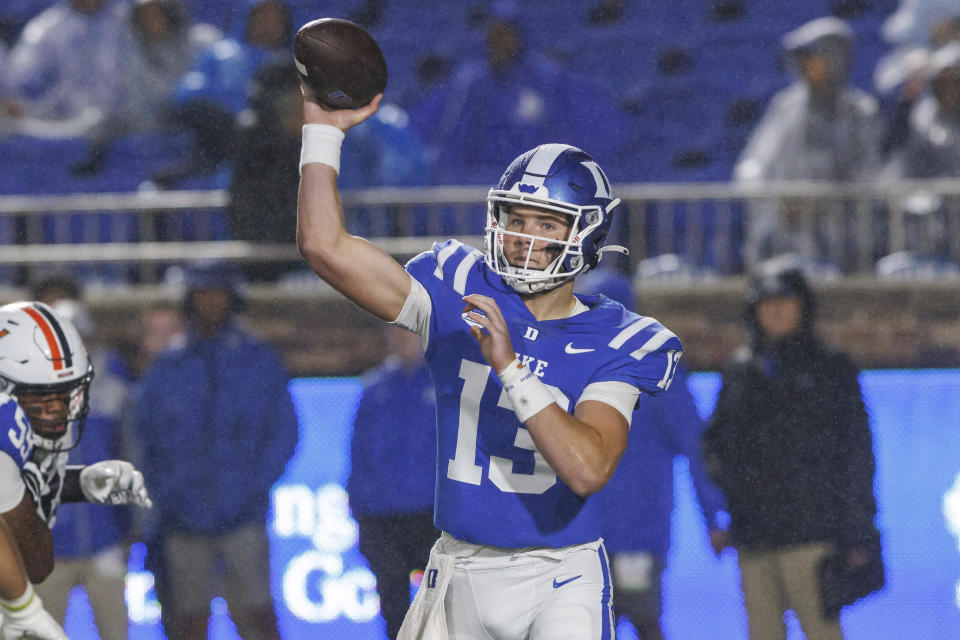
{"points": [[45, 376], [535, 386]]}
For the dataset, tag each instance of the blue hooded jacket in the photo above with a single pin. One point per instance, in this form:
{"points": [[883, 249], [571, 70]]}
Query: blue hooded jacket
{"points": [[222, 72], [394, 447], [218, 426]]}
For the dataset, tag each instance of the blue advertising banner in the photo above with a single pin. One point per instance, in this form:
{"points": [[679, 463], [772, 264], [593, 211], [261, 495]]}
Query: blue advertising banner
{"points": [[323, 587]]}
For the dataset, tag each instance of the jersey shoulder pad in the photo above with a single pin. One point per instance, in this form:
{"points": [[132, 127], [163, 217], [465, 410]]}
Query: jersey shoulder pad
{"points": [[447, 262], [650, 350], [6, 399], [8, 411], [16, 438], [639, 335]]}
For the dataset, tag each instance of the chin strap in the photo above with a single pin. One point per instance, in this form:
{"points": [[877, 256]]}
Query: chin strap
{"points": [[614, 248]]}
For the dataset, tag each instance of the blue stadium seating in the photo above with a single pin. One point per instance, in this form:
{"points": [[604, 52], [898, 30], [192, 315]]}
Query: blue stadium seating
{"points": [[693, 75]]}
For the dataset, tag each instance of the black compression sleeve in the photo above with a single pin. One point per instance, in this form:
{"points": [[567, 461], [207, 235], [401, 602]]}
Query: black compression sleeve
{"points": [[71, 485]]}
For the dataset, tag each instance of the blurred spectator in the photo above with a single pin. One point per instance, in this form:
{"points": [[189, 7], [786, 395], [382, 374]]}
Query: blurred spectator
{"points": [[391, 471], [161, 327], [15, 14], [915, 31], [167, 44], [932, 149], [383, 151], [431, 70], [512, 100], [819, 128], [638, 501], [211, 94], [56, 286], [920, 22], [91, 541], [264, 177], [790, 446], [606, 12], [899, 88], [63, 71], [8, 105], [218, 426]]}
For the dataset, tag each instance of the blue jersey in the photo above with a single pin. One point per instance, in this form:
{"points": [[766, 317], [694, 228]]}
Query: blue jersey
{"points": [[16, 436], [493, 487]]}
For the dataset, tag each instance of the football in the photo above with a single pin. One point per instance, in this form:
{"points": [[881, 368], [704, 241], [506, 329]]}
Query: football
{"points": [[340, 62]]}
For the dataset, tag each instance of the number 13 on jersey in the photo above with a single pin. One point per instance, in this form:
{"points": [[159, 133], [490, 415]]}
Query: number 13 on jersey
{"points": [[463, 466]]}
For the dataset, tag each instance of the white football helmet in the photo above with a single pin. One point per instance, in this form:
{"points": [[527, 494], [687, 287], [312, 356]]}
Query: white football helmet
{"points": [[42, 355]]}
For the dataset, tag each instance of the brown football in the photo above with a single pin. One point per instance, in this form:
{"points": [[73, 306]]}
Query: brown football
{"points": [[340, 62]]}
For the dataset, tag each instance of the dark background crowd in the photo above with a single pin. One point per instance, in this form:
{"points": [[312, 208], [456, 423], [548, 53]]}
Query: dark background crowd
{"points": [[146, 95], [847, 91]]}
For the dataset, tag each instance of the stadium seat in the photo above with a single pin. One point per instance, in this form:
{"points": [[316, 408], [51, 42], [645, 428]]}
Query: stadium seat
{"points": [[670, 267], [907, 265], [815, 268]]}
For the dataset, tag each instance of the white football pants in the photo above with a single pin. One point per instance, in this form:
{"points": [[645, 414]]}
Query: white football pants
{"points": [[528, 594]]}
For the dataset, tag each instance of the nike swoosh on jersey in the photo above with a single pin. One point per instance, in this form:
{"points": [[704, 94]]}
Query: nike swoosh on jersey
{"points": [[573, 350], [559, 583]]}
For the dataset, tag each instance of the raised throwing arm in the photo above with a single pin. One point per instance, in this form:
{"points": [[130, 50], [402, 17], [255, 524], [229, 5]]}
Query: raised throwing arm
{"points": [[352, 265]]}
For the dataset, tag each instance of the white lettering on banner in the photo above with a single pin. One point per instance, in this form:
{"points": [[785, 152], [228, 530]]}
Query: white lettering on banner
{"points": [[951, 512], [351, 593], [142, 608], [324, 516], [316, 588], [295, 514]]}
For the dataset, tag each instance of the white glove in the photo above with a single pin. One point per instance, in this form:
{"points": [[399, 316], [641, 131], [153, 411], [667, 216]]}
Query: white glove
{"points": [[26, 619], [114, 482]]}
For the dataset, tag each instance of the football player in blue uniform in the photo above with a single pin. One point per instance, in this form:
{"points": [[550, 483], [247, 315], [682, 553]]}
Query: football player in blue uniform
{"points": [[45, 375], [535, 386]]}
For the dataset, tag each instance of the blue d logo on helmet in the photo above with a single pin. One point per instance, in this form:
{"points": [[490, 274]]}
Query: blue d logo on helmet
{"points": [[561, 179]]}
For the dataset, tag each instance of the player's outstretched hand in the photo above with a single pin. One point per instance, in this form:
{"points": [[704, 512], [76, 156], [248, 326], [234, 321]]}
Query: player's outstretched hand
{"points": [[343, 119], [25, 618], [114, 482], [489, 329]]}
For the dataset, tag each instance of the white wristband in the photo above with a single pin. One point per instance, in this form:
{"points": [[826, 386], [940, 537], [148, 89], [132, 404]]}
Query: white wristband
{"points": [[321, 143], [526, 393], [19, 603]]}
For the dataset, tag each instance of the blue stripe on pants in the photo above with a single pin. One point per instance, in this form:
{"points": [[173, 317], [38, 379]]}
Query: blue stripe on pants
{"points": [[606, 630]]}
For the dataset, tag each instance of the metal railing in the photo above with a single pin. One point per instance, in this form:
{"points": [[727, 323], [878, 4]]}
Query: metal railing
{"points": [[718, 228]]}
